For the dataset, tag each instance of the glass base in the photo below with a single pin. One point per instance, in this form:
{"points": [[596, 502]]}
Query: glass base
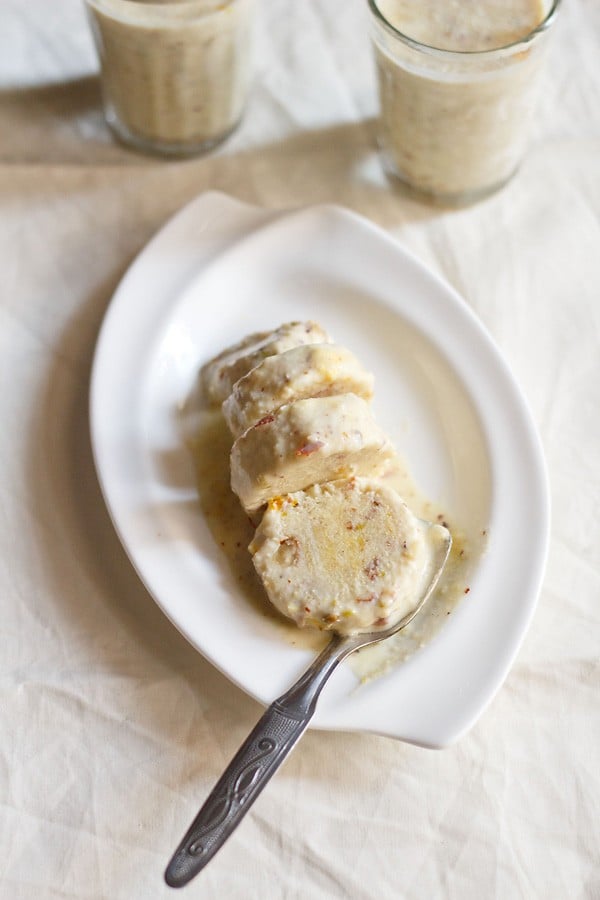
{"points": [[449, 200], [173, 149]]}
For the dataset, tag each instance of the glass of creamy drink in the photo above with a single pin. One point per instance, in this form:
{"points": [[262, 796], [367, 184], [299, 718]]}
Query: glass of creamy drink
{"points": [[457, 85], [175, 73]]}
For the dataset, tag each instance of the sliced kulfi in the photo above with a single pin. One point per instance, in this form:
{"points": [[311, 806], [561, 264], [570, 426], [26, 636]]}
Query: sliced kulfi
{"points": [[220, 374], [304, 443], [347, 556], [312, 370]]}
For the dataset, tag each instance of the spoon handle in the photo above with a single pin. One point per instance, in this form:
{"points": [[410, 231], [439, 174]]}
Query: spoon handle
{"points": [[266, 747]]}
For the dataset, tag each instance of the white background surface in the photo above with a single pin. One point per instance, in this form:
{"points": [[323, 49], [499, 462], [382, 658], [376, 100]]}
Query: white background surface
{"points": [[112, 728]]}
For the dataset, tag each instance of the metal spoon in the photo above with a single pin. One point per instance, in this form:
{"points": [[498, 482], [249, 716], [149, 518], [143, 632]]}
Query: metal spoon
{"points": [[272, 740]]}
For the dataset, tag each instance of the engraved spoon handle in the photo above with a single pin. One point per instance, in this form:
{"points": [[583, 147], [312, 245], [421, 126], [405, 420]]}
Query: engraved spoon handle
{"points": [[272, 739], [266, 747]]}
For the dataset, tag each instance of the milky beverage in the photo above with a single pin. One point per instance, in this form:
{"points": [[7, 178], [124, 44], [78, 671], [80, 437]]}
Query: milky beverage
{"points": [[454, 119], [174, 74]]}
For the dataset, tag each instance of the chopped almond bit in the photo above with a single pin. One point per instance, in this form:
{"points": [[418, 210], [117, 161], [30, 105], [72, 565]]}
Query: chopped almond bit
{"points": [[264, 421], [309, 447], [290, 554], [373, 569]]}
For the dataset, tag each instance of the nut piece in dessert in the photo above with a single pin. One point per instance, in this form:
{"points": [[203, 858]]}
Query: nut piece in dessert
{"points": [[312, 370], [220, 374], [347, 556], [304, 443]]}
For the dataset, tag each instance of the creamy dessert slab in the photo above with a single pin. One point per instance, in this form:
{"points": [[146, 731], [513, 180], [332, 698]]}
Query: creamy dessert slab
{"points": [[347, 556], [221, 374], [313, 370], [304, 443]]}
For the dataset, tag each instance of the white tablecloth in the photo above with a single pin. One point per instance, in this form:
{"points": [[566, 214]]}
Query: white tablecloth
{"points": [[112, 727]]}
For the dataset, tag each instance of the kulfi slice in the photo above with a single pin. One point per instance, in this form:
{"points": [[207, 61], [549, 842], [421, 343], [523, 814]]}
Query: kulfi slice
{"points": [[312, 370], [219, 375], [304, 443], [347, 556]]}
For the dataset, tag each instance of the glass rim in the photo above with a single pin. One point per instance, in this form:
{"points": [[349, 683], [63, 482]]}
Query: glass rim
{"points": [[461, 54], [155, 5], [163, 14]]}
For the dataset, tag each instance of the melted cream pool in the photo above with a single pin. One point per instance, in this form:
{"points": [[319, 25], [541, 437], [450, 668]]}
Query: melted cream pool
{"points": [[210, 442]]}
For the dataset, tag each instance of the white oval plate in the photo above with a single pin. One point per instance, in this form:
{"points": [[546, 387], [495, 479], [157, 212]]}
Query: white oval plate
{"points": [[220, 269]]}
